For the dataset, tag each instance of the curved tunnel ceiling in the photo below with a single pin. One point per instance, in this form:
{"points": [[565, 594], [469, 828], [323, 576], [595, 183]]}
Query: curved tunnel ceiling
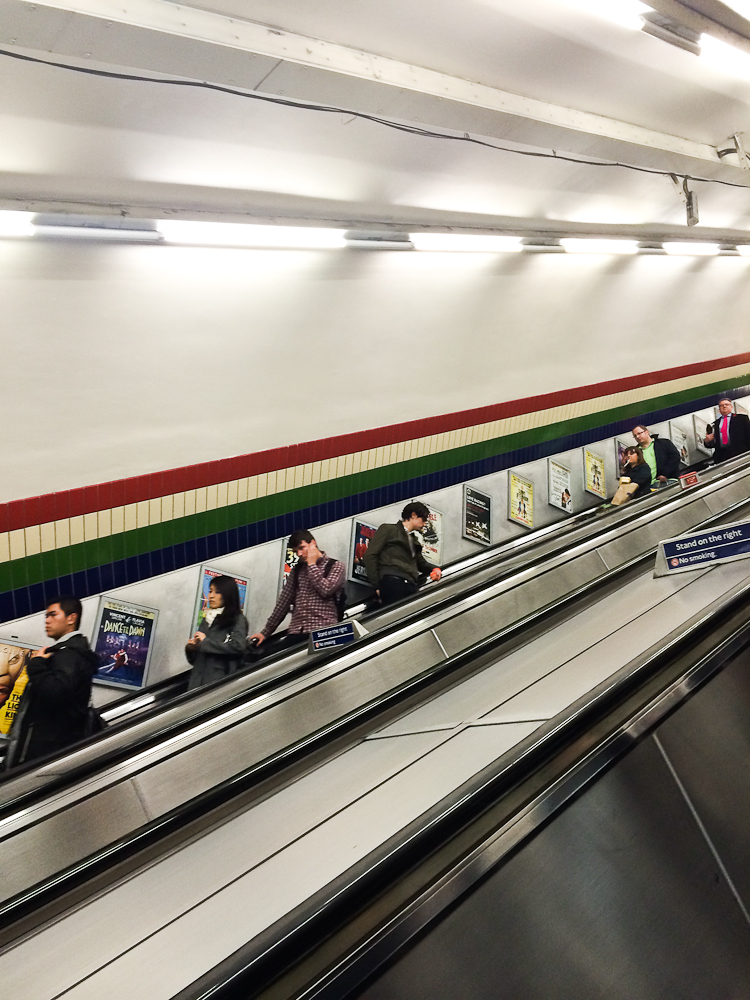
{"points": [[536, 77]]}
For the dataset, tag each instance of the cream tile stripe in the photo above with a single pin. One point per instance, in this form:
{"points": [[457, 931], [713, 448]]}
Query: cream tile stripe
{"points": [[59, 534]]}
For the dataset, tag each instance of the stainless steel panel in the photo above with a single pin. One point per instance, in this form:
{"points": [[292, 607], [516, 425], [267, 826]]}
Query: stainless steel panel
{"points": [[498, 613], [199, 768], [639, 540], [728, 495], [46, 848], [618, 897], [708, 744]]}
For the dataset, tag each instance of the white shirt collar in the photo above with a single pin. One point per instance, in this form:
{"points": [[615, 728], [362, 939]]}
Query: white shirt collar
{"points": [[64, 638]]}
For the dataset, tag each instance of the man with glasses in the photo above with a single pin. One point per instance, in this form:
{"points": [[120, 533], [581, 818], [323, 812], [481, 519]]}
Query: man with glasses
{"points": [[394, 557], [660, 454]]}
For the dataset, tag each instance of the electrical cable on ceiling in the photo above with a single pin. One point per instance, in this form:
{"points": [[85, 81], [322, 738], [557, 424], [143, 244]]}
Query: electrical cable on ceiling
{"points": [[388, 123]]}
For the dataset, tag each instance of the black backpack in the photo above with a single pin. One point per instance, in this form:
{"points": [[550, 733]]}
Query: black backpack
{"points": [[339, 596]]}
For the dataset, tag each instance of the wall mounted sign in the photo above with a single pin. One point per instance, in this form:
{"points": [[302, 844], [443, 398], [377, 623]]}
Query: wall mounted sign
{"points": [[709, 547], [201, 601], [679, 439], [520, 500], [559, 482], [477, 520], [122, 642], [700, 427], [595, 480], [362, 535]]}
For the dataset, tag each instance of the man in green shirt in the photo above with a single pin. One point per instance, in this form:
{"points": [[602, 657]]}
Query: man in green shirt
{"points": [[660, 454], [394, 557]]}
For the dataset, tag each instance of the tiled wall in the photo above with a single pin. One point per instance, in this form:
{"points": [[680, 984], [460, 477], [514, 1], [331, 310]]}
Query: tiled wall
{"points": [[95, 538]]}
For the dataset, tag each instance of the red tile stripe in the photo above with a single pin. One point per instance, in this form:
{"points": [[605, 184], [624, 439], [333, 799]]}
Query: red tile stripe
{"points": [[87, 499]]}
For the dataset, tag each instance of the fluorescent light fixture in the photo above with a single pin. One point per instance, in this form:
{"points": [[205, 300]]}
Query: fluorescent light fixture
{"points": [[743, 249], [99, 233], [724, 58], [599, 246], [230, 234], [625, 13], [741, 7], [450, 242], [16, 224], [692, 249]]}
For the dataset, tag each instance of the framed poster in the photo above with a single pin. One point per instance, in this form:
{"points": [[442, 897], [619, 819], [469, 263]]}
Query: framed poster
{"points": [[596, 482], [700, 427], [362, 535], [477, 525], [201, 600], [122, 642], [14, 655], [679, 439], [432, 537], [520, 500], [620, 447], [558, 478], [289, 560]]}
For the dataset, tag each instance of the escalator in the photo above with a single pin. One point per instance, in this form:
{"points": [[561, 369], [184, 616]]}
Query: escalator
{"points": [[209, 775]]}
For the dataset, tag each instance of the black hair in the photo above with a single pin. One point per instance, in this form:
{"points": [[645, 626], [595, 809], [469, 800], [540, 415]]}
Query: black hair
{"points": [[230, 596], [298, 537], [415, 509], [69, 605], [638, 451]]}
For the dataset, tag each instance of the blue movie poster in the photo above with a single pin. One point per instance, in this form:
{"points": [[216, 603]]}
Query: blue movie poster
{"points": [[122, 643]]}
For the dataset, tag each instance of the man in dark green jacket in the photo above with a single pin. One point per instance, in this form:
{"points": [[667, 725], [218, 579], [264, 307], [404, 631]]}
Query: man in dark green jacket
{"points": [[394, 557]]}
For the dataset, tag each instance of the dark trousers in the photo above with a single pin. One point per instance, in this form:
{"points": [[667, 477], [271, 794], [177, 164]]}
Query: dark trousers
{"points": [[288, 641], [396, 588]]}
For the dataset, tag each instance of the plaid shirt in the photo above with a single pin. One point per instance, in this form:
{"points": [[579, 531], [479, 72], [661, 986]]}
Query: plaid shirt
{"points": [[313, 599]]}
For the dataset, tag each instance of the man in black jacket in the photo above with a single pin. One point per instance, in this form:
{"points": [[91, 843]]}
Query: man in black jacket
{"points": [[731, 434], [394, 557], [659, 453], [54, 706]]}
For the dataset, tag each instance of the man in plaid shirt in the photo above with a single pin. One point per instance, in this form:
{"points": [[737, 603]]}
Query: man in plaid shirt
{"points": [[310, 593]]}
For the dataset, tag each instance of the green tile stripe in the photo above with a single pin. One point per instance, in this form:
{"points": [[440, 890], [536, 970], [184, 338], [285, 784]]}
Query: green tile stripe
{"points": [[139, 541]]}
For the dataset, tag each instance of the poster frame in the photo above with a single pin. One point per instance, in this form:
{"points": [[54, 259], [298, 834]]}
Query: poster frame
{"points": [[699, 435], [586, 464], [290, 558], [437, 559], [197, 606], [468, 488], [620, 446], [30, 647], [129, 607], [558, 506], [528, 522], [672, 428], [350, 567]]}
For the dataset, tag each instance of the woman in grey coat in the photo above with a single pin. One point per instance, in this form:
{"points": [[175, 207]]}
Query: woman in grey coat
{"points": [[217, 648]]}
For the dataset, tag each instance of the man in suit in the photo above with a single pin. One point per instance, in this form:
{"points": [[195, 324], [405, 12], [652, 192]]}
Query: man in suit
{"points": [[731, 433]]}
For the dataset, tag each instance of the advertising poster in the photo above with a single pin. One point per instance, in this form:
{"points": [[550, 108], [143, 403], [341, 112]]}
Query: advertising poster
{"points": [[679, 439], [558, 478], [289, 560], [13, 679], [520, 500], [595, 480], [201, 601], [362, 535], [739, 408], [620, 447], [432, 538], [477, 516], [122, 642], [701, 428]]}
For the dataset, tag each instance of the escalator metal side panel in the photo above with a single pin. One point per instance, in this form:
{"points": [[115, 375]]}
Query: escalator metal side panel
{"points": [[186, 775], [40, 851], [732, 493], [510, 606], [608, 900], [634, 543]]}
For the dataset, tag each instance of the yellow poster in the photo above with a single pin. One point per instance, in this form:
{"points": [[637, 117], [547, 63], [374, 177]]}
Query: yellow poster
{"points": [[595, 481], [520, 500], [13, 680]]}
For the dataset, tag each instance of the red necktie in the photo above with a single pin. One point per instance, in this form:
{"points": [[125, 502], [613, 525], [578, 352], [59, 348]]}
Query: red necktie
{"points": [[724, 431]]}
